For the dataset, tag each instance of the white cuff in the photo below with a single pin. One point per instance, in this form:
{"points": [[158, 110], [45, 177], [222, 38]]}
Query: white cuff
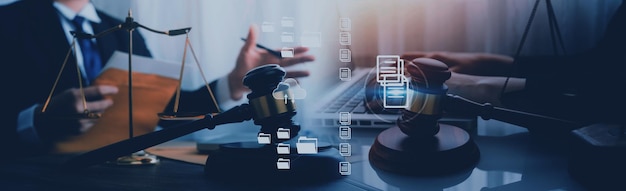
{"points": [[223, 95], [25, 126]]}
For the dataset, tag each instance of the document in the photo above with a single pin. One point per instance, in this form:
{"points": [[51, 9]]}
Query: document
{"points": [[154, 84], [345, 118], [345, 149], [345, 24], [389, 68], [345, 55], [345, 74], [345, 132], [345, 38], [345, 168]]}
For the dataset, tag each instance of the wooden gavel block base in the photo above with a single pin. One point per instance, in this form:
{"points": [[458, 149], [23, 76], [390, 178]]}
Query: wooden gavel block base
{"points": [[449, 151]]}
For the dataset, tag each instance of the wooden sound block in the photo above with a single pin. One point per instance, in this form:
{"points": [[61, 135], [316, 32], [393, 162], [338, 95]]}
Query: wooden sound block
{"points": [[253, 163], [449, 151]]}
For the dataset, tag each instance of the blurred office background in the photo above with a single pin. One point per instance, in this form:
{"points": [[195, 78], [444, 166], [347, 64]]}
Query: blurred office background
{"points": [[378, 27]]}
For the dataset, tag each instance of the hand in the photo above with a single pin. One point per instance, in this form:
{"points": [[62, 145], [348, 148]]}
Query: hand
{"points": [[482, 64], [482, 89], [52, 126], [250, 57]]}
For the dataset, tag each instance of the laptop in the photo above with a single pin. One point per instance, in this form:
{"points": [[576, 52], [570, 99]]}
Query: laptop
{"points": [[345, 101]]}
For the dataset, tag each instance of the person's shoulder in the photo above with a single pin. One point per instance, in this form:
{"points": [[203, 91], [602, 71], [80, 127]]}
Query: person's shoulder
{"points": [[12, 12], [21, 8], [21, 5], [13, 8]]}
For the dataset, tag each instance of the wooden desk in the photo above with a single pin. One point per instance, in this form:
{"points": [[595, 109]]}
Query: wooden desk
{"points": [[44, 173], [511, 159]]}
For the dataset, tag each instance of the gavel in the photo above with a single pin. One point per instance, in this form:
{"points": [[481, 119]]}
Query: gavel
{"points": [[266, 111], [419, 144]]}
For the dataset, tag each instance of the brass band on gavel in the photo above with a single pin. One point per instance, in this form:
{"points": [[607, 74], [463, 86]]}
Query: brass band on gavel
{"points": [[426, 103], [267, 105]]}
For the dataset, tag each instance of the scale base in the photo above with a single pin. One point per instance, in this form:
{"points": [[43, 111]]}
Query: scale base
{"points": [[139, 158], [449, 151], [598, 157], [251, 162]]}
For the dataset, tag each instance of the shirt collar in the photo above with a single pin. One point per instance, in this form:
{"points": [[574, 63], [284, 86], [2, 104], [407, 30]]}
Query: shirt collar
{"points": [[88, 12]]}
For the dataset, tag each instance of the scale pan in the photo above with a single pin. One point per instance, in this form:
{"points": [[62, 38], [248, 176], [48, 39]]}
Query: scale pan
{"points": [[181, 115], [86, 115]]}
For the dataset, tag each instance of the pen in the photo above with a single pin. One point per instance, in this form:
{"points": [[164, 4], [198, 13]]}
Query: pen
{"points": [[273, 52]]}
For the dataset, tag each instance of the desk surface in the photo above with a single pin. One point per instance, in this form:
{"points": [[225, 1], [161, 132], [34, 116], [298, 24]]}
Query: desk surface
{"points": [[511, 159]]}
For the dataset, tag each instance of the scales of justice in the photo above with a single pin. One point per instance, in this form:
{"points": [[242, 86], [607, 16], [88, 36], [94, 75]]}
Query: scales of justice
{"points": [[139, 157]]}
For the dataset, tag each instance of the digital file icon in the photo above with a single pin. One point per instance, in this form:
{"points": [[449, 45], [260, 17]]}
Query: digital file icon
{"points": [[345, 74], [345, 55], [306, 145], [283, 149], [287, 21], [264, 138], [311, 39], [345, 118], [389, 68], [286, 37], [345, 149], [267, 27], [286, 52], [345, 132], [345, 38], [345, 168], [283, 164], [345, 24], [283, 133], [390, 72], [396, 94]]}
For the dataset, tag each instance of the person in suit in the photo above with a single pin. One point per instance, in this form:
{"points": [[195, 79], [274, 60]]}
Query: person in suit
{"points": [[586, 87], [35, 39]]}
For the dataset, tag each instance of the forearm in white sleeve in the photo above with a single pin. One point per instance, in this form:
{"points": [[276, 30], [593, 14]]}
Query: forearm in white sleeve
{"points": [[26, 128], [223, 95]]}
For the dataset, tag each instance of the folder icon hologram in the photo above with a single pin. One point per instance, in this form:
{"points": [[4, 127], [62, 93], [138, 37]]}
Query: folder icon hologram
{"points": [[283, 164], [306, 145], [283, 133], [283, 149], [264, 138], [287, 37]]}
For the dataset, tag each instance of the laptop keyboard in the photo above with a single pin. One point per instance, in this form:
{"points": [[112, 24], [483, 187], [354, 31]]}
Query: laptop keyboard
{"points": [[350, 101]]}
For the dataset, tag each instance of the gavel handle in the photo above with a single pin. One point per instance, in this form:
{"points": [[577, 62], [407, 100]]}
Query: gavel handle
{"points": [[115, 150], [459, 105]]}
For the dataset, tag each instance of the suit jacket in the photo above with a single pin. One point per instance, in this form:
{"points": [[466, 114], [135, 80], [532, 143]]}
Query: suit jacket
{"points": [[33, 49], [34, 46]]}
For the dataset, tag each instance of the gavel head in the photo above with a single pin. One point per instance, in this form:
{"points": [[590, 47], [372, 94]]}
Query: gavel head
{"points": [[268, 112], [428, 90]]}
